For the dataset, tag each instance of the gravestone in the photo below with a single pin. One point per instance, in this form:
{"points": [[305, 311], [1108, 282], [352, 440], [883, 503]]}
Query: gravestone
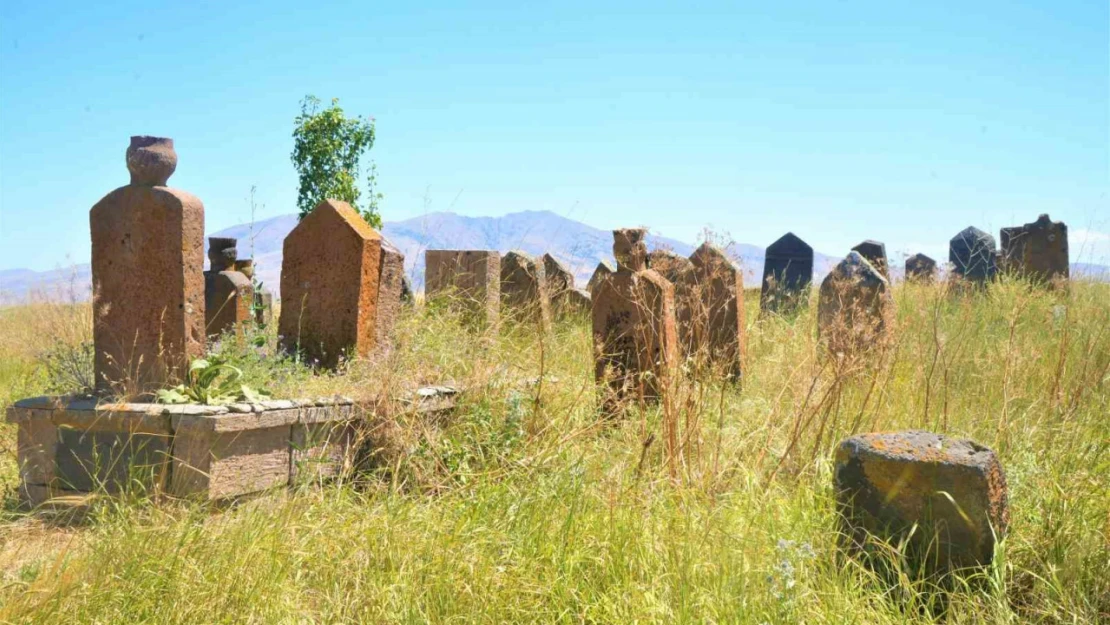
{"points": [[921, 268], [572, 303], [710, 303], [875, 253], [853, 306], [391, 277], [558, 277], [945, 497], [1038, 250], [263, 308], [467, 281], [601, 272], [524, 288], [329, 285], [147, 275], [228, 292], [972, 254], [407, 298], [669, 264], [787, 274], [635, 345]]}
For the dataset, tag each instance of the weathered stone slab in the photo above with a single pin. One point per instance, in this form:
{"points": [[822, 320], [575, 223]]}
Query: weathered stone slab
{"points": [[147, 275], [35, 444], [710, 303], [946, 496], [601, 272], [390, 293], [222, 464], [921, 268], [572, 303], [972, 254], [635, 343], [874, 252], [669, 264], [1038, 250], [90, 460], [228, 292], [524, 289], [263, 308], [557, 276], [329, 285], [467, 281], [787, 274], [853, 306], [321, 450]]}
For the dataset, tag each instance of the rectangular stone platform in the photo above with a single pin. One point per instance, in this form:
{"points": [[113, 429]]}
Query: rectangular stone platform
{"points": [[68, 447]]}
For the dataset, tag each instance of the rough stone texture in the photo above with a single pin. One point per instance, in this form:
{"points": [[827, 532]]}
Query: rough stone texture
{"points": [[263, 308], [921, 268], [147, 275], [469, 281], [954, 490], [875, 253], [972, 254], [572, 303], [524, 289], [709, 299], [329, 285], [1038, 250], [601, 272], [407, 298], [787, 274], [390, 292], [635, 343], [321, 450], [228, 292], [853, 306], [557, 276], [672, 266]]}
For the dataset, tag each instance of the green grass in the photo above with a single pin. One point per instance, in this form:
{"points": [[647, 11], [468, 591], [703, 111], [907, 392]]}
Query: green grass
{"points": [[526, 506]]}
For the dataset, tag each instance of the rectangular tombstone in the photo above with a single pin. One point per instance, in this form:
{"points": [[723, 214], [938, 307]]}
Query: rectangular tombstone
{"points": [[709, 296], [787, 274], [524, 289], [390, 292], [854, 306], [469, 281], [1037, 250]]}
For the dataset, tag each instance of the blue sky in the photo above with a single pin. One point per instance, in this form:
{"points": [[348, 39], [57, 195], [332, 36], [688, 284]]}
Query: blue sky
{"points": [[840, 121]]}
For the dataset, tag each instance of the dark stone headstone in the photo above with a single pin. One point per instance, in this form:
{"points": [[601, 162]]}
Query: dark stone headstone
{"points": [[921, 268], [875, 253], [1038, 250], [972, 254], [787, 274]]}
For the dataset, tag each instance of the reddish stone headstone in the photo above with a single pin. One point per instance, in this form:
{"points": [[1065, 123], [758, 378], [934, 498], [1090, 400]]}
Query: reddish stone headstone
{"points": [[329, 285], [853, 306], [524, 289], [1038, 250], [635, 344], [710, 300], [602, 271], [669, 264], [391, 286], [228, 292], [469, 281], [558, 277], [572, 303], [147, 275]]}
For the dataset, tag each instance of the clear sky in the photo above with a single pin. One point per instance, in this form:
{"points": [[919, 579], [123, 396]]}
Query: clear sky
{"points": [[840, 121]]}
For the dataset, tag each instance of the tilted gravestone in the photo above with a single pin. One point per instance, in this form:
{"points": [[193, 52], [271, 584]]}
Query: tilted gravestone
{"points": [[875, 253], [635, 345], [1038, 250], [602, 271], [709, 298], [391, 277], [467, 281], [572, 303], [921, 268], [853, 306], [669, 264], [972, 254], [558, 277], [147, 274], [524, 288], [946, 498], [787, 274], [329, 285], [228, 292]]}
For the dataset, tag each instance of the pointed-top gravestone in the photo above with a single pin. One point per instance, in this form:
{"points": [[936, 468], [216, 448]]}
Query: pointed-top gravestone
{"points": [[709, 299], [603, 271], [972, 254], [921, 268], [228, 292], [669, 264], [147, 275], [875, 253], [787, 274], [853, 306], [524, 288], [1038, 250], [329, 285], [558, 277]]}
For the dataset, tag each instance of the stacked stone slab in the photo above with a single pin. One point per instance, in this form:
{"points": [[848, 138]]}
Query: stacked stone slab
{"points": [[787, 274], [853, 306], [875, 253], [391, 287], [228, 292], [524, 289], [147, 274], [635, 344], [972, 254], [468, 281], [601, 272], [709, 300], [557, 276], [1037, 251], [329, 285], [921, 268], [946, 498]]}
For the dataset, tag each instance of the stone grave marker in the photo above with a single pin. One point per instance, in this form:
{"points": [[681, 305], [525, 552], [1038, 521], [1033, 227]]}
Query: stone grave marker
{"points": [[572, 303], [391, 278], [669, 264], [1037, 250], [601, 272], [710, 304], [875, 253], [524, 288], [558, 277], [228, 292], [469, 281], [787, 274], [853, 306], [921, 268], [972, 254]]}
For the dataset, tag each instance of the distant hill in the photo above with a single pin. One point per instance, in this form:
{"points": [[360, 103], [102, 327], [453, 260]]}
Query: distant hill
{"points": [[578, 245]]}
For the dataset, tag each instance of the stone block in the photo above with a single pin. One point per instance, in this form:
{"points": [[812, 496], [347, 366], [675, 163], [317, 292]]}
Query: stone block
{"points": [[1038, 250], [601, 272], [921, 268], [630, 248], [557, 276], [228, 456], [467, 281], [228, 292], [972, 254], [572, 303], [854, 306], [524, 289], [709, 300], [874, 252], [391, 277], [787, 275]]}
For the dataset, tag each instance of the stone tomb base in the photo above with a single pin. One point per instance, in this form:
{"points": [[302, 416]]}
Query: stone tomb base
{"points": [[68, 447]]}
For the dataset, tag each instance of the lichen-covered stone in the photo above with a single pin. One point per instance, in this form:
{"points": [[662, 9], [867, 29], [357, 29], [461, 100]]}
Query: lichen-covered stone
{"points": [[1038, 250], [468, 281], [787, 274], [853, 306], [950, 494]]}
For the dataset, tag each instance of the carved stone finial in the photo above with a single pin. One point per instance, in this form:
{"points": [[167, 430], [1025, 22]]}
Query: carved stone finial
{"points": [[151, 160]]}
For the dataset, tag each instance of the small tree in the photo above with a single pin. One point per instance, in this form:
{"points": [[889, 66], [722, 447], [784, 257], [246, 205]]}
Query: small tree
{"points": [[327, 147]]}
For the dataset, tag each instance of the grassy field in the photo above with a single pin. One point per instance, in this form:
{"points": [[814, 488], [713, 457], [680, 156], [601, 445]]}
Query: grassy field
{"points": [[526, 506]]}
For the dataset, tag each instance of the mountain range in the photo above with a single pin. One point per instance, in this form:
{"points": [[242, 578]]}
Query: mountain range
{"points": [[579, 246]]}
